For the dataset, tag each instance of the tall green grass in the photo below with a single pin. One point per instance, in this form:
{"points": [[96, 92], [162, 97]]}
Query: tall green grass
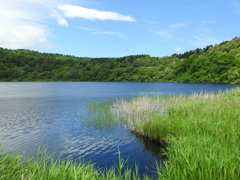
{"points": [[44, 167], [202, 132], [100, 115], [204, 135]]}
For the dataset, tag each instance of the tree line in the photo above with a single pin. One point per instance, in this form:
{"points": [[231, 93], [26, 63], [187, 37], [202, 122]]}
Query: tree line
{"points": [[213, 64]]}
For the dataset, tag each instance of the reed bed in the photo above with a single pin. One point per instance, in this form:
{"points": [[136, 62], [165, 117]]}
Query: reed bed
{"points": [[135, 111], [201, 131], [204, 133]]}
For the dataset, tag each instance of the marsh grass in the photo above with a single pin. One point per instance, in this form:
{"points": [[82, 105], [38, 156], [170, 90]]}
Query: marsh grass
{"points": [[204, 135], [124, 112], [100, 115], [44, 167], [135, 111], [202, 132]]}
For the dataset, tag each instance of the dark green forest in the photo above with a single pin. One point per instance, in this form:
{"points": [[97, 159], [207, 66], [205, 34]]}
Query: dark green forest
{"points": [[213, 64]]}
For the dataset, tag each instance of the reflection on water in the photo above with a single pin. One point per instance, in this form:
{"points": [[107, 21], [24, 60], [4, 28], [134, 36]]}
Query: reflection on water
{"points": [[50, 114], [152, 146]]}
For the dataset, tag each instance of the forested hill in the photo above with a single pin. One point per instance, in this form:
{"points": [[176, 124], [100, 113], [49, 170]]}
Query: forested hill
{"points": [[213, 64]]}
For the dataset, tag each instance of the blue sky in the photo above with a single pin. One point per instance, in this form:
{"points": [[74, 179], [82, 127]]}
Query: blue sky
{"points": [[116, 28]]}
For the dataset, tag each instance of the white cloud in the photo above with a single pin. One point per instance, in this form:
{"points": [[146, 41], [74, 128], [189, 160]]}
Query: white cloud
{"points": [[25, 23], [71, 11], [178, 25], [209, 22], [22, 24], [60, 20], [24, 35]]}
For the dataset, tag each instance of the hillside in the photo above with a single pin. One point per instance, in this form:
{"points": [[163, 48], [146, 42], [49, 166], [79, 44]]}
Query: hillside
{"points": [[212, 64]]}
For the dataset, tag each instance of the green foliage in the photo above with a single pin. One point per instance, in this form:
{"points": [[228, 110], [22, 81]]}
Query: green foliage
{"points": [[201, 132], [45, 167], [213, 64], [101, 115]]}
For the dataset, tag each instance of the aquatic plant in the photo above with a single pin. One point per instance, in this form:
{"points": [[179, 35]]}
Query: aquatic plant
{"points": [[100, 115], [47, 168], [201, 132], [204, 137]]}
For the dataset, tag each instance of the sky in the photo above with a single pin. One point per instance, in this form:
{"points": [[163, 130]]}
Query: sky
{"points": [[116, 28]]}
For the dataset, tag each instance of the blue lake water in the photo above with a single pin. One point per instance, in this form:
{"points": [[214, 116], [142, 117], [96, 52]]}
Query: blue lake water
{"points": [[51, 114]]}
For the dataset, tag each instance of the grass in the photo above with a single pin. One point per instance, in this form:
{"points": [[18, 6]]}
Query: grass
{"points": [[44, 167], [202, 133], [205, 140], [100, 115], [125, 112]]}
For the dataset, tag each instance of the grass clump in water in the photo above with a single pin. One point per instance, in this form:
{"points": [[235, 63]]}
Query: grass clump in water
{"points": [[101, 115], [125, 112]]}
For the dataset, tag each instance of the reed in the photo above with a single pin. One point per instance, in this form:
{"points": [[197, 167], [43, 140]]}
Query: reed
{"points": [[204, 137], [44, 167], [201, 132], [100, 115]]}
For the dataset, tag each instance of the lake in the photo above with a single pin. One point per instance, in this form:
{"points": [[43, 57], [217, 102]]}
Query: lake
{"points": [[52, 115]]}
